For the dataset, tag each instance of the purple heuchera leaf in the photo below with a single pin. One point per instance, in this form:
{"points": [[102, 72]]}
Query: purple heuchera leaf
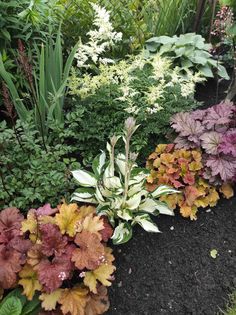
{"points": [[198, 114], [210, 141], [187, 127], [183, 142], [219, 116], [223, 166], [228, 143]]}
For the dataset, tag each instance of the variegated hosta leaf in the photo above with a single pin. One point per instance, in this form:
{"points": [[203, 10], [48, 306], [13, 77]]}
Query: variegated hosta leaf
{"points": [[149, 205], [125, 214], [98, 163], [85, 178], [134, 189], [138, 178], [116, 202], [85, 195], [105, 210], [112, 182], [134, 202], [122, 233], [146, 223], [163, 208], [120, 162], [99, 196], [164, 190]]}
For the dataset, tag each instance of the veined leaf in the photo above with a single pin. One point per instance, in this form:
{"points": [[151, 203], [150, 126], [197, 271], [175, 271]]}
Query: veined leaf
{"points": [[122, 233], [85, 178], [11, 306], [146, 223]]}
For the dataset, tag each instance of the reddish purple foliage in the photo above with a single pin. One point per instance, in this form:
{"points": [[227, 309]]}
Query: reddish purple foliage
{"points": [[213, 130]]}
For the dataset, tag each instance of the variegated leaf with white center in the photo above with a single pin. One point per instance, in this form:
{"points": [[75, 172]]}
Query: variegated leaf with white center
{"points": [[146, 223], [120, 162], [98, 163], [122, 233], [85, 178], [134, 202], [163, 208], [164, 190], [125, 214]]}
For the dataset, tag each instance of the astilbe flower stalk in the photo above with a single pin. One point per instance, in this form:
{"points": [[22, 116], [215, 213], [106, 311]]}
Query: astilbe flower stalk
{"points": [[25, 63]]}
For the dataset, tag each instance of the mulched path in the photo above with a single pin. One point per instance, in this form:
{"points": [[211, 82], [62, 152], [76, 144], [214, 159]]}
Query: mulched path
{"points": [[173, 272]]}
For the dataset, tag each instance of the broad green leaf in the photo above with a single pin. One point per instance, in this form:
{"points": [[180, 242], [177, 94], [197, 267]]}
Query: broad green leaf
{"points": [[122, 233], [222, 72], [206, 71], [85, 178], [11, 306], [146, 223]]}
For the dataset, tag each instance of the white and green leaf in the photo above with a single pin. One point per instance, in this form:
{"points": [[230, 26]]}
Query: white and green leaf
{"points": [[98, 163], [163, 190], [85, 178], [146, 223], [122, 233]]}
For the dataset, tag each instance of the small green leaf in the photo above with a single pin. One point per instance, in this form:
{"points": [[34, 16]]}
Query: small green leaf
{"points": [[11, 306]]}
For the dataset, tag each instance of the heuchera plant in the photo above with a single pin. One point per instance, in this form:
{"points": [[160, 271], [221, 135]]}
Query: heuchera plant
{"points": [[117, 186], [183, 169], [61, 253], [214, 131]]}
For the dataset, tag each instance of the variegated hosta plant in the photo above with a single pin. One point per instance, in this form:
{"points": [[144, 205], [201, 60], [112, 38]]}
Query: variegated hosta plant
{"points": [[118, 187]]}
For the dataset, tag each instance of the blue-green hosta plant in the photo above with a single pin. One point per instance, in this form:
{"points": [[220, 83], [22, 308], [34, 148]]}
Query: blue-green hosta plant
{"points": [[189, 52], [118, 187]]}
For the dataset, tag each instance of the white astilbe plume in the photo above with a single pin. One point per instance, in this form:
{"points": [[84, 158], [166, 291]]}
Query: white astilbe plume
{"points": [[100, 39]]}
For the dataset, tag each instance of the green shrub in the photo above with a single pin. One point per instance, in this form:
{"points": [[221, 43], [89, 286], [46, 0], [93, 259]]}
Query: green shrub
{"points": [[28, 174]]}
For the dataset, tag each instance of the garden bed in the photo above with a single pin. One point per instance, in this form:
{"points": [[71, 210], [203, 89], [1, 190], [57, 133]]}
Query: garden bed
{"points": [[173, 272]]}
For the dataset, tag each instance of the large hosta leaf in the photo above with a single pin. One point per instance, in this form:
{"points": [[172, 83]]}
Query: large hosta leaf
{"points": [[85, 178]]}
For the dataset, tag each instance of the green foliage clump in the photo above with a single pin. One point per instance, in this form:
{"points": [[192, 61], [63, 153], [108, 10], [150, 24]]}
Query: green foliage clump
{"points": [[30, 174]]}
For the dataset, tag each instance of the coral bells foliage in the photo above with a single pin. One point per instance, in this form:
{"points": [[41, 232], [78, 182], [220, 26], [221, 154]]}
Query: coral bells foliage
{"points": [[182, 169], [13, 247], [60, 252], [214, 131]]}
